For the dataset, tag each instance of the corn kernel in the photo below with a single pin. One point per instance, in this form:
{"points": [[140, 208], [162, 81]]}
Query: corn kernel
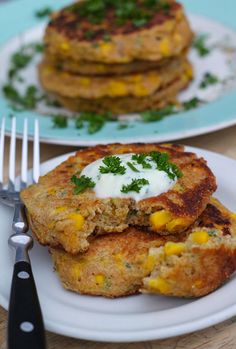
{"points": [[165, 47], [200, 237], [117, 88], [51, 191], [51, 225], [78, 218], [189, 72], [137, 78], [100, 279], [159, 284], [198, 283], [85, 81], [140, 90], [76, 272], [106, 47], [150, 262], [172, 248], [233, 215], [178, 38], [176, 224], [60, 209], [159, 219], [65, 46]]}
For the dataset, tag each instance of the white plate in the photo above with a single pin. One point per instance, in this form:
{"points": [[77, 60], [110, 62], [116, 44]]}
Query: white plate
{"points": [[128, 319]]}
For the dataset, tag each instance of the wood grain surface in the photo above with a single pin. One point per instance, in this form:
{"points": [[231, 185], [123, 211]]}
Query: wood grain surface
{"points": [[222, 336]]}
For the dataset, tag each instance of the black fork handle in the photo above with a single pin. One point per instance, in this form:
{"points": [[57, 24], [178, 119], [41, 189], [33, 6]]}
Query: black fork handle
{"points": [[25, 322]]}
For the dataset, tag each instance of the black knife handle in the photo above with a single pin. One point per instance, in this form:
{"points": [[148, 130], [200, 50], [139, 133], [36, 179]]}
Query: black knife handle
{"points": [[25, 322]]}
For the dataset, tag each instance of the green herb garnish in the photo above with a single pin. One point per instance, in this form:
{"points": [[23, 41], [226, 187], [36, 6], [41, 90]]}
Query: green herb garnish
{"points": [[199, 44], [133, 168], [208, 79], [94, 121], [28, 100], [157, 115], [44, 12], [138, 13], [21, 58], [60, 121], [89, 34], [212, 233], [191, 104], [142, 160], [163, 163], [107, 37], [82, 183], [112, 165], [136, 185]]}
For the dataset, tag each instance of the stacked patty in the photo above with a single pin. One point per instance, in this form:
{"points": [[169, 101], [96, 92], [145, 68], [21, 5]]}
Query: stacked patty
{"points": [[119, 57], [181, 242]]}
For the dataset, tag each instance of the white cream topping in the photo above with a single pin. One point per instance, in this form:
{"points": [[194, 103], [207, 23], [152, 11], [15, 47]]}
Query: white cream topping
{"points": [[109, 185]]}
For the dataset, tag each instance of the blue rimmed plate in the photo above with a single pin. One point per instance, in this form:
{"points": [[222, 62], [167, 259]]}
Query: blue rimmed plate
{"points": [[219, 111]]}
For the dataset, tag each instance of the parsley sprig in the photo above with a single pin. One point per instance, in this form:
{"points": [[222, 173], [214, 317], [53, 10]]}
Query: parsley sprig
{"points": [[208, 79], [94, 122], [136, 185], [133, 168], [162, 162], [82, 183], [43, 12], [124, 10], [141, 159], [199, 44], [112, 165]]}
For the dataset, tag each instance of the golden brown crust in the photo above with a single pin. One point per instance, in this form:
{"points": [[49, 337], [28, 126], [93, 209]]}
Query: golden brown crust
{"points": [[52, 200], [103, 69], [201, 267], [75, 86], [115, 264], [122, 105], [160, 38]]}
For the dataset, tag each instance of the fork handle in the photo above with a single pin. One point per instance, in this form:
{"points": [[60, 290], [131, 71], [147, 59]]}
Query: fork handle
{"points": [[25, 322]]}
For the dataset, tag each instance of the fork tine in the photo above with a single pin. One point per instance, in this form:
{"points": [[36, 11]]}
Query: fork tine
{"points": [[12, 157], [36, 153], [2, 138], [24, 156]]}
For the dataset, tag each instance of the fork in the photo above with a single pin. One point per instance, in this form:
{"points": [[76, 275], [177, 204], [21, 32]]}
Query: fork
{"points": [[25, 322]]}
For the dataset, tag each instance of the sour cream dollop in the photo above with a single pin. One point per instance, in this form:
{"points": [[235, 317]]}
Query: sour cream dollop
{"points": [[109, 185]]}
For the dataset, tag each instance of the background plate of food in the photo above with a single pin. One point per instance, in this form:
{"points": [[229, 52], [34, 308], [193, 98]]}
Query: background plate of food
{"points": [[157, 72], [172, 273]]}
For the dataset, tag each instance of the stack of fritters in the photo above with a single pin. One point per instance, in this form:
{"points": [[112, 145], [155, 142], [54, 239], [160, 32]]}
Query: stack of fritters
{"points": [[180, 243], [126, 56]]}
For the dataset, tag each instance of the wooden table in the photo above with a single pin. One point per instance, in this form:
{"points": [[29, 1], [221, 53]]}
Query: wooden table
{"points": [[222, 336]]}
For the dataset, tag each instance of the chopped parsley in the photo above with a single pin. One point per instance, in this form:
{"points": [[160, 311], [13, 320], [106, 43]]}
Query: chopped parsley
{"points": [[157, 115], [212, 233], [191, 104], [208, 79], [95, 122], [60, 121], [136, 185], [28, 100], [199, 44], [82, 183], [125, 11], [142, 160], [162, 161], [21, 58], [133, 168], [112, 165], [44, 12]]}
